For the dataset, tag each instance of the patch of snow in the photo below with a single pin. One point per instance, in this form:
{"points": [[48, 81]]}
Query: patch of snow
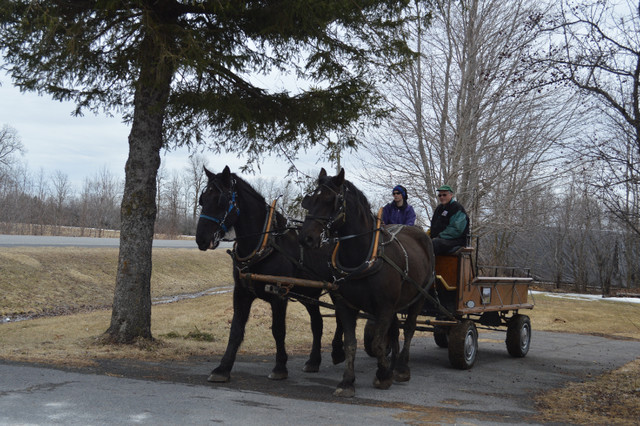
{"points": [[588, 297]]}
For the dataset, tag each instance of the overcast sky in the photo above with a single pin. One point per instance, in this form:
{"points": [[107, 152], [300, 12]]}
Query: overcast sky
{"points": [[82, 146]]}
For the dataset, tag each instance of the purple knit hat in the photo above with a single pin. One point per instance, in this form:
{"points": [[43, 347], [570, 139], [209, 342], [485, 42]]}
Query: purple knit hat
{"points": [[401, 189]]}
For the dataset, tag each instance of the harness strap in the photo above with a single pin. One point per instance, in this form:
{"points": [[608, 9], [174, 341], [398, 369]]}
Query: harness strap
{"points": [[232, 205], [268, 225], [216, 220], [422, 291], [266, 233], [373, 253]]}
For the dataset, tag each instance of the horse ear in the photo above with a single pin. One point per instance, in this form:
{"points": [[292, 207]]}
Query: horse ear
{"points": [[323, 173], [339, 179], [208, 173], [226, 176]]}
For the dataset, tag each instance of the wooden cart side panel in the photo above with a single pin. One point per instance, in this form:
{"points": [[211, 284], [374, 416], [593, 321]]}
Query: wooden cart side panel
{"points": [[493, 294], [465, 269]]}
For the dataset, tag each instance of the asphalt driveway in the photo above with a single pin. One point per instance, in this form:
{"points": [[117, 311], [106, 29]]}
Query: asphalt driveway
{"points": [[498, 389]]}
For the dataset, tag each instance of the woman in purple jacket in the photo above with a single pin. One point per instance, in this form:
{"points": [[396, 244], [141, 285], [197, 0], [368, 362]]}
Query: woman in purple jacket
{"points": [[399, 211]]}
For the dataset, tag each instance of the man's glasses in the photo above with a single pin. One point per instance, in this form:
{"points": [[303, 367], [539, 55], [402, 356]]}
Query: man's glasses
{"points": [[442, 195], [395, 193]]}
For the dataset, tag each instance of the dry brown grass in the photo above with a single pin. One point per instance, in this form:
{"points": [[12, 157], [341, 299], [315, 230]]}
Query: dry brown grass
{"points": [[45, 281], [611, 399], [10, 228], [42, 280], [602, 317], [36, 280]]}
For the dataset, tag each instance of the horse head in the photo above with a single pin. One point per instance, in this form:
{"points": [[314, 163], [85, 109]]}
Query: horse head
{"points": [[219, 209], [326, 209]]}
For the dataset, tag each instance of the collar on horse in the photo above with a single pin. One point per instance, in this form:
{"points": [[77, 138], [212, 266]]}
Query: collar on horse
{"points": [[263, 249], [367, 267]]}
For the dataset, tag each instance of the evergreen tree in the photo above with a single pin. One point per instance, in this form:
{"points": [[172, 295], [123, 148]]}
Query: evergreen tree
{"points": [[180, 73]]}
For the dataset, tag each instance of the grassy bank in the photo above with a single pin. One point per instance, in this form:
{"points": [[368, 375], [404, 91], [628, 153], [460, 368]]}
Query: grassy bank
{"points": [[48, 282], [37, 280]]}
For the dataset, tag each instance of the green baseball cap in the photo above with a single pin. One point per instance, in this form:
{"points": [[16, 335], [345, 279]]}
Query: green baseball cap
{"points": [[445, 188]]}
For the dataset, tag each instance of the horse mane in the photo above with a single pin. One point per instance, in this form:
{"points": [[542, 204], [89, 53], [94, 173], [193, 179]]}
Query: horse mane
{"points": [[360, 199], [356, 199], [245, 187]]}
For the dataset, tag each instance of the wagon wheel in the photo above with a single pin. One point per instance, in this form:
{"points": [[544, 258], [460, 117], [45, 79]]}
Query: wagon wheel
{"points": [[518, 336], [441, 336], [463, 345]]}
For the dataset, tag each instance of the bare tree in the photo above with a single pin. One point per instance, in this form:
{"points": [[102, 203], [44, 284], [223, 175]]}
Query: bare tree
{"points": [[596, 48], [469, 114], [99, 203], [61, 193], [10, 145], [196, 181], [161, 178], [171, 207]]}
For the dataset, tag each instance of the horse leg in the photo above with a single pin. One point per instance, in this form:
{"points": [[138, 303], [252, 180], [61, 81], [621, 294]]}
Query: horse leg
{"points": [[278, 330], [393, 339], [337, 345], [347, 317], [381, 338], [402, 372], [313, 363], [242, 301]]}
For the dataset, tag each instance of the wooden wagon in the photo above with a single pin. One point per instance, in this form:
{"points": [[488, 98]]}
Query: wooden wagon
{"points": [[458, 303], [491, 302]]}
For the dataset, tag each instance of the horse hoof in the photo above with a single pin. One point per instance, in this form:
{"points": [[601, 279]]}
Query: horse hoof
{"points": [[218, 378], [404, 376], [384, 385], [337, 357], [278, 375], [311, 368], [344, 392]]}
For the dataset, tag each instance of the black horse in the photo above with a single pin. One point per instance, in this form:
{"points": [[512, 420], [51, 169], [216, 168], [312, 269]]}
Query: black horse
{"points": [[384, 270], [264, 245]]}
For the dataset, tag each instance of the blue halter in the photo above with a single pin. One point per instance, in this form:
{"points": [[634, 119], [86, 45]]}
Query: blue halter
{"points": [[232, 205]]}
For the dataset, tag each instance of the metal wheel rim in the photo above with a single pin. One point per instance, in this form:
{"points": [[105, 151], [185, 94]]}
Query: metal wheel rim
{"points": [[524, 337], [469, 346]]}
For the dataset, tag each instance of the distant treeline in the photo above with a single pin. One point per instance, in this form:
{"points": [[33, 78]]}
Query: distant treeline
{"points": [[572, 246]]}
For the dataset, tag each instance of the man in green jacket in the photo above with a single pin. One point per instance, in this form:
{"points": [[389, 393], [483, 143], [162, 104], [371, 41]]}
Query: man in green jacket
{"points": [[449, 224]]}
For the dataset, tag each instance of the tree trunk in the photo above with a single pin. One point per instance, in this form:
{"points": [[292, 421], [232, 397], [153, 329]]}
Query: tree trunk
{"points": [[131, 315]]}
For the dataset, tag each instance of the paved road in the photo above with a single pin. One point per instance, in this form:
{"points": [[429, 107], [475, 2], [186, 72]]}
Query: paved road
{"points": [[46, 241], [498, 390]]}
